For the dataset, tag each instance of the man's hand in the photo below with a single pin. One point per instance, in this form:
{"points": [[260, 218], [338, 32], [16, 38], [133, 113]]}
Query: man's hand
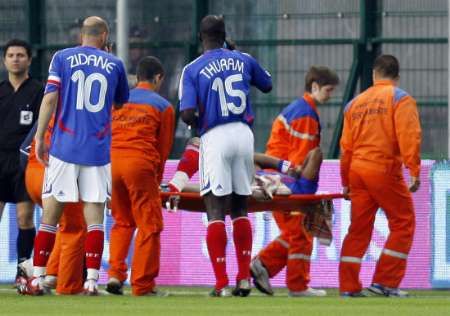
{"points": [[108, 47], [346, 193], [117, 106], [172, 203], [41, 151], [414, 184]]}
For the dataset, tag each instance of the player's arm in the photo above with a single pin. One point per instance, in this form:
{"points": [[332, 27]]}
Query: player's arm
{"points": [[264, 161], [46, 111], [187, 93], [190, 117], [261, 78], [409, 135], [48, 106]]}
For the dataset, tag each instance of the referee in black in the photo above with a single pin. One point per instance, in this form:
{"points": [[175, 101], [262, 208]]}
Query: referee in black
{"points": [[20, 99]]}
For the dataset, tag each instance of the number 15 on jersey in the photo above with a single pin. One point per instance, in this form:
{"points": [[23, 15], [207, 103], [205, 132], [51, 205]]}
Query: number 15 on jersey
{"points": [[224, 89]]}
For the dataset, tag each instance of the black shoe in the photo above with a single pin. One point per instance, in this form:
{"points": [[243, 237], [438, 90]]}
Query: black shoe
{"points": [[114, 286], [242, 288]]}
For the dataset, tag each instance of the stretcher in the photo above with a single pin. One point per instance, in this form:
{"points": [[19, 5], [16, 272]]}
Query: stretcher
{"points": [[318, 208], [192, 201]]}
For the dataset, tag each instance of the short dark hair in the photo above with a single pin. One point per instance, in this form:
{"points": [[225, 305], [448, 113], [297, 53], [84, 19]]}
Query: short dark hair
{"points": [[20, 43], [387, 66], [322, 75], [148, 67], [212, 28]]}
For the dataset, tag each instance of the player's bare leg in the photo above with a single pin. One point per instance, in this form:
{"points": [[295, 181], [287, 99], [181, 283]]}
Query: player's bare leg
{"points": [[93, 214], [216, 239], [187, 166], [242, 237]]}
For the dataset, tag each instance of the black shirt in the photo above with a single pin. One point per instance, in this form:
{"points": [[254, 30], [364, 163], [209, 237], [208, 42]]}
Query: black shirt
{"points": [[18, 112]]}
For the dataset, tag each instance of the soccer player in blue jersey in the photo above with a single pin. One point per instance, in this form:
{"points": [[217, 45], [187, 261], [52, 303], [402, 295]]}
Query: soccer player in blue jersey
{"points": [[83, 84], [214, 97]]}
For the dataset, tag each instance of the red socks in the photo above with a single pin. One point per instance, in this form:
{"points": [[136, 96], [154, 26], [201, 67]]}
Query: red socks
{"points": [[242, 237], [43, 244], [189, 160], [216, 240], [187, 167], [94, 246]]}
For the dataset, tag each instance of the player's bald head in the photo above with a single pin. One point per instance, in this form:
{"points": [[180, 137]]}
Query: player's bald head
{"points": [[94, 26], [212, 28]]}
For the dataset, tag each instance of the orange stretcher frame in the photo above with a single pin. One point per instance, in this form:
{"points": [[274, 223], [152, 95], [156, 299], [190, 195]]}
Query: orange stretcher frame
{"points": [[192, 201]]}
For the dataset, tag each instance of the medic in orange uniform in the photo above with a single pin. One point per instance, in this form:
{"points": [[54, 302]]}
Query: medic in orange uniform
{"points": [[66, 262], [295, 132], [381, 132], [142, 136]]}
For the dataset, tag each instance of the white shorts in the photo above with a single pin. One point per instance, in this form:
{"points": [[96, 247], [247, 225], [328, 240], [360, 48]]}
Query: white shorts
{"points": [[226, 160], [68, 182]]}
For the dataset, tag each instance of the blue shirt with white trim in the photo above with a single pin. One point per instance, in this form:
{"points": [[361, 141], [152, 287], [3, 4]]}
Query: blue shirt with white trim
{"points": [[89, 81], [217, 84]]}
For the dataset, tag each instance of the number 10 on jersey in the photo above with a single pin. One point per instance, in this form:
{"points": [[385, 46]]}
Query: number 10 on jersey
{"points": [[84, 90]]}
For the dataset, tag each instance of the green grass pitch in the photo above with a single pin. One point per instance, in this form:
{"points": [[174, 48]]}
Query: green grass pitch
{"points": [[194, 301]]}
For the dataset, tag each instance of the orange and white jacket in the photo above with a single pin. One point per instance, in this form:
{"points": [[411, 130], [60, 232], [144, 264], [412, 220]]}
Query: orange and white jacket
{"points": [[144, 127], [381, 131], [296, 131]]}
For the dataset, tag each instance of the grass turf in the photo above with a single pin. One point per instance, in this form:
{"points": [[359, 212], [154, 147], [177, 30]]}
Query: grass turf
{"points": [[194, 301]]}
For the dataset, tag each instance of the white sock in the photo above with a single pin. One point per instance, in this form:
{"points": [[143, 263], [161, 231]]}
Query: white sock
{"points": [[92, 274], [179, 180], [39, 272], [50, 281]]}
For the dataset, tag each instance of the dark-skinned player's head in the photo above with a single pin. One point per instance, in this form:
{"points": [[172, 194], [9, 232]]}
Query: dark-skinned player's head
{"points": [[212, 31]]}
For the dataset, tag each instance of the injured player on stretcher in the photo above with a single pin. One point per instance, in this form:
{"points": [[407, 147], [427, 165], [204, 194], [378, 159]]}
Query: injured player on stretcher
{"points": [[273, 177]]}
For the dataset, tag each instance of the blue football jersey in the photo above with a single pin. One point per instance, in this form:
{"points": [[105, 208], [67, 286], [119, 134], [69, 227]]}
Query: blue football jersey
{"points": [[296, 185], [217, 84], [89, 81]]}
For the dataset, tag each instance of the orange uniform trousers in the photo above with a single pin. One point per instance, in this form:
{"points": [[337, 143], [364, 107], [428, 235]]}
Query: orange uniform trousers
{"points": [[369, 190], [135, 203], [67, 258], [291, 249]]}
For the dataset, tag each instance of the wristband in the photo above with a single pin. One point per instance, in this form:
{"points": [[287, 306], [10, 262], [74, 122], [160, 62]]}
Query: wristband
{"points": [[284, 165]]}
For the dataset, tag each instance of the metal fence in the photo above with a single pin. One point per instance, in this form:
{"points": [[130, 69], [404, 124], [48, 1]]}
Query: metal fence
{"points": [[286, 36]]}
